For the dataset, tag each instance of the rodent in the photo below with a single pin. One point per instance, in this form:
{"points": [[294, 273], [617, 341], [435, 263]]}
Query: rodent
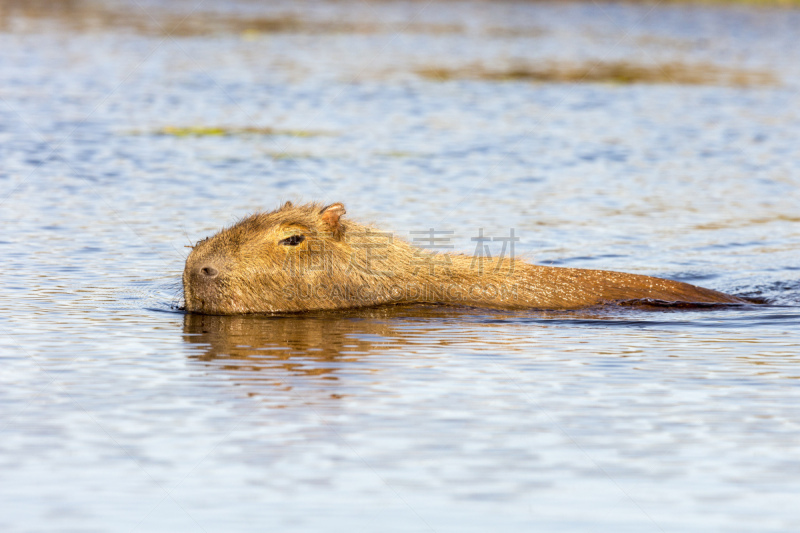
{"points": [[308, 257]]}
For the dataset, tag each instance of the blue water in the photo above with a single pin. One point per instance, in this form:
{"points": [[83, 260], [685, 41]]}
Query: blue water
{"points": [[120, 413]]}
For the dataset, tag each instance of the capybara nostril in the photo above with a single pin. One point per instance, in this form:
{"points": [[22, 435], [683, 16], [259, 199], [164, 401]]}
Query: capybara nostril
{"points": [[209, 272]]}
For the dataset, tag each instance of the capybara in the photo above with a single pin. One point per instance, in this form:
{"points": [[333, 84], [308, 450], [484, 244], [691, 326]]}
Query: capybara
{"points": [[308, 257]]}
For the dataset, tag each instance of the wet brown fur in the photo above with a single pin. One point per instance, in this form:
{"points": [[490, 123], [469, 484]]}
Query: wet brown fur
{"points": [[342, 264]]}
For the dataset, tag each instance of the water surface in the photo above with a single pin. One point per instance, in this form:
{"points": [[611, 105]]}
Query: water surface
{"points": [[131, 130]]}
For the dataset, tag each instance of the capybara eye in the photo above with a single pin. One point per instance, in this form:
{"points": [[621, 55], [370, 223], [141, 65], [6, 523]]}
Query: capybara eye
{"points": [[294, 240]]}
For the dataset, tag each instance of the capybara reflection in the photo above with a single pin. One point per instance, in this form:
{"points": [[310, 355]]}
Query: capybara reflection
{"points": [[307, 257]]}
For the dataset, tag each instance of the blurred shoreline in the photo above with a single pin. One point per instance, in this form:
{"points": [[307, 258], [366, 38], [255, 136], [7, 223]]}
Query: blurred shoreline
{"points": [[183, 18]]}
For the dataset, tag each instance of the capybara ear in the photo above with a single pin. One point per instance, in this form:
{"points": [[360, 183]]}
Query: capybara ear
{"points": [[287, 205], [330, 217]]}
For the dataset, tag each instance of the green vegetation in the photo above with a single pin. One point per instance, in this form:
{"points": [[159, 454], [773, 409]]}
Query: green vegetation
{"points": [[218, 131], [292, 155]]}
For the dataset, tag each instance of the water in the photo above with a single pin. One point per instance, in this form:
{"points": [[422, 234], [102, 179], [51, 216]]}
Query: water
{"points": [[120, 413]]}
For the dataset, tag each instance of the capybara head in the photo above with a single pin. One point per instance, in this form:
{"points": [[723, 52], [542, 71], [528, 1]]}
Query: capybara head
{"points": [[257, 264]]}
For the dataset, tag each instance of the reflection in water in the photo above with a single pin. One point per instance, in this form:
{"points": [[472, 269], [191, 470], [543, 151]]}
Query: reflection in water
{"points": [[244, 336], [333, 354], [322, 348], [276, 350], [350, 335], [284, 346]]}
